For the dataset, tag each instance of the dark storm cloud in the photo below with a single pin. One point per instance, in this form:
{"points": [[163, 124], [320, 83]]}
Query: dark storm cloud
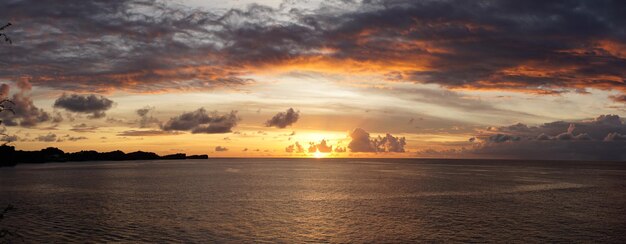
{"points": [[100, 45], [361, 142], [601, 138], [201, 121], [538, 46], [92, 104], [25, 113], [283, 119], [528, 46]]}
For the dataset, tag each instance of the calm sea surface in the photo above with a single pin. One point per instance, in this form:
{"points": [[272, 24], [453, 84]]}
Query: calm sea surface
{"points": [[317, 200]]}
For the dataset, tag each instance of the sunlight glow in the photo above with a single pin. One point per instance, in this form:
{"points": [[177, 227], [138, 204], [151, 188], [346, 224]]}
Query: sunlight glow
{"points": [[318, 154]]}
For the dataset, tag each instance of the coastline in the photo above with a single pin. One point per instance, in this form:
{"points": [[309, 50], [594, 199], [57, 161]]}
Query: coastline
{"points": [[11, 157]]}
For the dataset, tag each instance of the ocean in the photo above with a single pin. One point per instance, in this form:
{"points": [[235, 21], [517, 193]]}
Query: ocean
{"points": [[316, 200]]}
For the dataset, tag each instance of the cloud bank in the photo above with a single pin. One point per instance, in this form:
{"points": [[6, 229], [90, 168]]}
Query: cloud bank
{"points": [[601, 138], [526, 46]]}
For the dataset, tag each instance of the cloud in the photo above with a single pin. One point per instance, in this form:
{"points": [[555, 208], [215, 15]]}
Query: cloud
{"points": [[549, 150], [25, 114], [526, 46], [221, 149], [615, 137], [134, 45], [619, 99], [322, 147], [283, 119], [82, 127], [295, 148], [57, 117], [201, 121], [538, 47], [503, 138], [601, 138], [92, 104], [148, 133], [594, 129], [4, 91], [8, 138], [50, 137], [390, 143], [76, 138], [515, 51], [70, 138], [144, 111], [146, 120], [361, 142]]}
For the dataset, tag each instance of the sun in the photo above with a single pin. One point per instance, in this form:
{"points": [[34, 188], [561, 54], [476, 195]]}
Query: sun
{"points": [[318, 154]]}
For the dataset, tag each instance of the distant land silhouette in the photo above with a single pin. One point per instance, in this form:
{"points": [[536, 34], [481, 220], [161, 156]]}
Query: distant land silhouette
{"points": [[11, 157]]}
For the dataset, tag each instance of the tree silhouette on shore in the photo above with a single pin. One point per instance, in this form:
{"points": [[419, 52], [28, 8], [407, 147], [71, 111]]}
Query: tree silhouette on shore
{"points": [[2, 34], [5, 101], [4, 107]]}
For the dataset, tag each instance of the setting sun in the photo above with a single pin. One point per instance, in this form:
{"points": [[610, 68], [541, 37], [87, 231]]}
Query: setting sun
{"points": [[318, 154]]}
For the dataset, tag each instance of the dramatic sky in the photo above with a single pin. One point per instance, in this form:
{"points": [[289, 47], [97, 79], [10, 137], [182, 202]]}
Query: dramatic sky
{"points": [[344, 78]]}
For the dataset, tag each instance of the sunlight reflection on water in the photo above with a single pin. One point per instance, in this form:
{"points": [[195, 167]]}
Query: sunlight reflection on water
{"points": [[332, 200]]}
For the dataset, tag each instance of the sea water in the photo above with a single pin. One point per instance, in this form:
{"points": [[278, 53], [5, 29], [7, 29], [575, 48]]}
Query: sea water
{"points": [[316, 200]]}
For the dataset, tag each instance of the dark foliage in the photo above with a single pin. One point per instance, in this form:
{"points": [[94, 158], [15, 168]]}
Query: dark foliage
{"points": [[202, 156], [175, 156], [12, 157], [2, 34]]}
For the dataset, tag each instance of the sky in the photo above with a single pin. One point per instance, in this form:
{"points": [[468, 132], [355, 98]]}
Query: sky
{"points": [[343, 78]]}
